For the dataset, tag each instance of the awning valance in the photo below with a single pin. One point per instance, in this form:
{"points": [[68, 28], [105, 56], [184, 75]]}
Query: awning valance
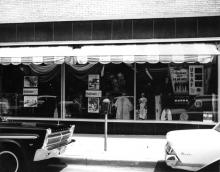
{"points": [[152, 53], [36, 55]]}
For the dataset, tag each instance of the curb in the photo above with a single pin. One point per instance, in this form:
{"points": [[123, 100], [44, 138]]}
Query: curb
{"points": [[120, 163]]}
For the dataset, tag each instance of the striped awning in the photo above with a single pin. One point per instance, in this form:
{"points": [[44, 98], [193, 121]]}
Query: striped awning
{"points": [[152, 53], [36, 55]]}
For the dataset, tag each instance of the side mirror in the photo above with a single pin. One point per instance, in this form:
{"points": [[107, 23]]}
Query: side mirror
{"points": [[105, 106]]}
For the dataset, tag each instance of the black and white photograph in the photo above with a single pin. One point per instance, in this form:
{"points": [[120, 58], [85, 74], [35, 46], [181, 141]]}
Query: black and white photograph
{"points": [[93, 82], [109, 85], [30, 81]]}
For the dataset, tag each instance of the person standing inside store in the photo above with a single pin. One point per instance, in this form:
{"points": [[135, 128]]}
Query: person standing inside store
{"points": [[143, 106], [166, 100]]}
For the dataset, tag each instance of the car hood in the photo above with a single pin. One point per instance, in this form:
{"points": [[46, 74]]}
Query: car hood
{"points": [[17, 125], [193, 137]]}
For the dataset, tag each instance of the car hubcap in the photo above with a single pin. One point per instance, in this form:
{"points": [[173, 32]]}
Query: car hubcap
{"points": [[8, 162]]}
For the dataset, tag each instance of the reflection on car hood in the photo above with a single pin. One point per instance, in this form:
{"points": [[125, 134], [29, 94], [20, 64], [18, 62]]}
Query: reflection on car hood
{"points": [[193, 137], [33, 126]]}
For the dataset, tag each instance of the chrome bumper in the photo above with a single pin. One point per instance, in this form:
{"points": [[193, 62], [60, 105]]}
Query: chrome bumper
{"points": [[42, 154], [171, 160]]}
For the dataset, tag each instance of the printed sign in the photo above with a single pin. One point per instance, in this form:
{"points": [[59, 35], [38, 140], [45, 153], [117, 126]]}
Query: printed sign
{"points": [[93, 105], [94, 82], [179, 78], [91, 93], [196, 80], [30, 81], [30, 91], [30, 101]]}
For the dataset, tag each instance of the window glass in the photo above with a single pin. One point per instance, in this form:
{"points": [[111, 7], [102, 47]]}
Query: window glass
{"points": [[88, 85], [182, 92], [30, 90]]}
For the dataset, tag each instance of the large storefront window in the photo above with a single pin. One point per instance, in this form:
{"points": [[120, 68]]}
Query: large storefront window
{"points": [[161, 91], [88, 85], [30, 90], [140, 87], [183, 92]]}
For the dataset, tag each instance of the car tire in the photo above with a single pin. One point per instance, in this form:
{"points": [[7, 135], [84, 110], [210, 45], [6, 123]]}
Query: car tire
{"points": [[11, 161], [184, 116]]}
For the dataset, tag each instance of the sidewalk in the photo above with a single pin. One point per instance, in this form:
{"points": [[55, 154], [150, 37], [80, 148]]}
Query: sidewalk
{"points": [[123, 150]]}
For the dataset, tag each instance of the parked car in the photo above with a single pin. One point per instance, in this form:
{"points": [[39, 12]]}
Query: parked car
{"points": [[23, 143], [198, 109], [192, 149]]}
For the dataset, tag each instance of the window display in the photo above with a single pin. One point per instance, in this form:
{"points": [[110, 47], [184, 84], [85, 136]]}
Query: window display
{"points": [[31, 91], [137, 91]]}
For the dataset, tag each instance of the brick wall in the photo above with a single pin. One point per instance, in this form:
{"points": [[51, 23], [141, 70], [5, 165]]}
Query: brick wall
{"points": [[20, 11]]}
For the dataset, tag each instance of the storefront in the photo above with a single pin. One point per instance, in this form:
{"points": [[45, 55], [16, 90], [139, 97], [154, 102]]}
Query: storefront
{"points": [[59, 61], [141, 80]]}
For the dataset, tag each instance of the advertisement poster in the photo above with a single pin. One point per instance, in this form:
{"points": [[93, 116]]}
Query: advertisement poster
{"points": [[196, 80], [93, 82], [93, 104], [30, 101], [30, 81], [180, 80]]}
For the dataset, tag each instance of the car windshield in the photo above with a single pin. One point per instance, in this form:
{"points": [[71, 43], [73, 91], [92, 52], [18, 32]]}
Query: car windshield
{"points": [[217, 127]]}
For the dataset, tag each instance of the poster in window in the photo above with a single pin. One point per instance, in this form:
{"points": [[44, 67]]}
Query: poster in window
{"points": [[93, 82], [180, 80], [30, 101], [196, 80], [93, 104], [30, 81]]}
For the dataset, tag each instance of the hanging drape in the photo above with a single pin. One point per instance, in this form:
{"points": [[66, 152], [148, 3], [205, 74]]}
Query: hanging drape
{"points": [[45, 72], [81, 72]]}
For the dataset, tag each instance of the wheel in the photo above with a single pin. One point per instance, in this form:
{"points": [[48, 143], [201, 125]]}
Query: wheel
{"points": [[11, 161], [8, 161]]}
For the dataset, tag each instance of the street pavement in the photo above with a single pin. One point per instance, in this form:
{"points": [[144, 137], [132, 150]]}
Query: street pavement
{"points": [[125, 153], [135, 150]]}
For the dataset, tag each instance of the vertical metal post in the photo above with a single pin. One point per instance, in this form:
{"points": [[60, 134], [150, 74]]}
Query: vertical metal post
{"points": [[105, 108], [63, 85], [106, 131], [135, 90], [218, 60]]}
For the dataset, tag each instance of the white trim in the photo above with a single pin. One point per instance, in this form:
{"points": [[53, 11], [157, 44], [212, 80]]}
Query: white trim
{"points": [[112, 120], [16, 137], [125, 41]]}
